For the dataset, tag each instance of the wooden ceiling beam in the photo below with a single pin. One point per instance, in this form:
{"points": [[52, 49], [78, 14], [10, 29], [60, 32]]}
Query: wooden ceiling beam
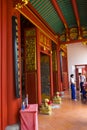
{"points": [[76, 12], [59, 12], [74, 4], [74, 41]]}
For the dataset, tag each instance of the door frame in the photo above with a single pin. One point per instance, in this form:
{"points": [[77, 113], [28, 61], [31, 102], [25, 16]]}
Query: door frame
{"points": [[50, 69], [82, 66]]}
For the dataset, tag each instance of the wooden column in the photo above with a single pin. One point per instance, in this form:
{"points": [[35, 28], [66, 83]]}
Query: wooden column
{"points": [[51, 77], [14, 104], [10, 104], [3, 64], [58, 65], [38, 69], [65, 72]]}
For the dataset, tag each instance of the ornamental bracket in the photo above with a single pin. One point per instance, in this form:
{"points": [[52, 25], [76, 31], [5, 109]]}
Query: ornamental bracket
{"points": [[23, 3]]}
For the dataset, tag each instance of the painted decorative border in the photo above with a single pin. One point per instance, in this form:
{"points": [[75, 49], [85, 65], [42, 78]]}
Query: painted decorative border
{"points": [[16, 55]]}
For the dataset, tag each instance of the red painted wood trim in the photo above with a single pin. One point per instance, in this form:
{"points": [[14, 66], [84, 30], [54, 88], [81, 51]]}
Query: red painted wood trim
{"points": [[38, 70], [51, 77], [76, 15], [58, 66], [14, 103], [37, 22], [4, 65], [74, 41], [76, 12]]}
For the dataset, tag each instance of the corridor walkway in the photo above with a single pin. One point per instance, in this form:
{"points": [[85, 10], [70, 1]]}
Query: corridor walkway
{"points": [[71, 115]]}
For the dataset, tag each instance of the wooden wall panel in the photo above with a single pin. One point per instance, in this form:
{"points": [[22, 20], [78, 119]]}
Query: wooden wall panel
{"points": [[31, 86], [55, 81], [65, 81], [64, 59]]}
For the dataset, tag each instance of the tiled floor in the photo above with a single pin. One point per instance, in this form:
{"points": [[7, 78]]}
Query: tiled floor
{"points": [[71, 115]]}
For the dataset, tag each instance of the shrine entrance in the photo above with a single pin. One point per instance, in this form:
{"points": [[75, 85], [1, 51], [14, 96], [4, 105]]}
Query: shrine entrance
{"points": [[45, 75], [28, 60], [36, 63]]}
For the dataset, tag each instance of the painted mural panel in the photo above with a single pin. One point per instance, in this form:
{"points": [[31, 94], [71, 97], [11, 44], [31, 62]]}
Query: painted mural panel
{"points": [[30, 49]]}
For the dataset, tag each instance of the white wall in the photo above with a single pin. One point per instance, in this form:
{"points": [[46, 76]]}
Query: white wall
{"points": [[77, 55]]}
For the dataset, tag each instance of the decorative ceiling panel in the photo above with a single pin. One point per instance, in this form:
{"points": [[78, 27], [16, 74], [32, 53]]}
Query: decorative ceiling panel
{"points": [[62, 16]]}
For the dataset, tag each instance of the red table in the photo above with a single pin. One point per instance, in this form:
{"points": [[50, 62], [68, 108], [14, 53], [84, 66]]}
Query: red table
{"points": [[29, 117]]}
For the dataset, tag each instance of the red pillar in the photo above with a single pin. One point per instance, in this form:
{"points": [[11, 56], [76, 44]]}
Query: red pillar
{"points": [[51, 77], [3, 63], [14, 103], [58, 65], [38, 69]]}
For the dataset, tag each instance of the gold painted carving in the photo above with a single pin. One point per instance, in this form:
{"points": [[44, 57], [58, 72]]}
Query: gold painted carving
{"points": [[84, 42], [20, 5], [30, 49], [63, 47], [45, 41], [41, 38], [73, 36], [73, 30], [62, 37], [54, 61], [25, 2], [85, 33], [84, 28]]}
